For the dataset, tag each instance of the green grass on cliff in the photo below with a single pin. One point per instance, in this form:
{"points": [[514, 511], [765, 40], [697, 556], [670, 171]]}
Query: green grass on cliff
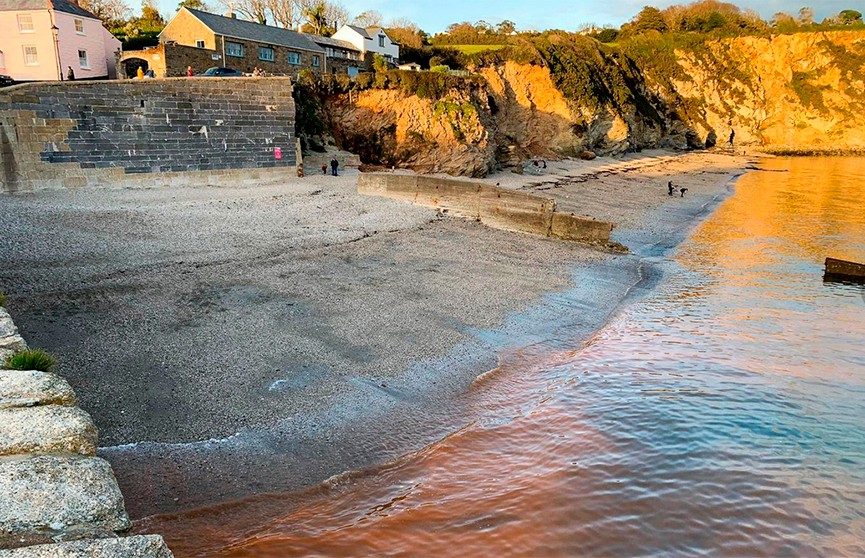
{"points": [[474, 49], [30, 359]]}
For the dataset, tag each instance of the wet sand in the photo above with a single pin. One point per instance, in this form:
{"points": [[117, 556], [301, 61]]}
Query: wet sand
{"points": [[235, 341]]}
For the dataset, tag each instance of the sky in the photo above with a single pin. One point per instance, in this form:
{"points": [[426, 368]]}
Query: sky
{"points": [[434, 16]]}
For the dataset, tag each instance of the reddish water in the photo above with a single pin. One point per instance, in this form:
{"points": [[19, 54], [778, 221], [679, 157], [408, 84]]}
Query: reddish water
{"points": [[723, 415]]}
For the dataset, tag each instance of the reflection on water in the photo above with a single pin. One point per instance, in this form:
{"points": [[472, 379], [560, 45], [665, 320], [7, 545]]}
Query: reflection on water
{"points": [[723, 415]]}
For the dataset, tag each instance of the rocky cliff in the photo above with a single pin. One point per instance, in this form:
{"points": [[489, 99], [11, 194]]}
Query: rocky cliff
{"points": [[788, 93]]}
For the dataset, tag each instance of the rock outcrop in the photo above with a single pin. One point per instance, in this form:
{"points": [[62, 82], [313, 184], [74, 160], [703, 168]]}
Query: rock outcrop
{"points": [[787, 93]]}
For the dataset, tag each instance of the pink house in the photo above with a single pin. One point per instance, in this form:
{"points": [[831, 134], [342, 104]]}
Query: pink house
{"points": [[41, 39]]}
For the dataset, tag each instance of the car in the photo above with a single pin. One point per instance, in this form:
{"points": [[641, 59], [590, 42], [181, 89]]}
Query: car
{"points": [[5, 81], [221, 72]]}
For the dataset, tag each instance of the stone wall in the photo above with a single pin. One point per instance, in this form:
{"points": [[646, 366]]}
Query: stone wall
{"points": [[146, 132], [56, 497], [167, 60], [496, 207]]}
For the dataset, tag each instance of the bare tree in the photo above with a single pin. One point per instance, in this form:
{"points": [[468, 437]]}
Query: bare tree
{"points": [[286, 13], [107, 10], [253, 10], [369, 18]]}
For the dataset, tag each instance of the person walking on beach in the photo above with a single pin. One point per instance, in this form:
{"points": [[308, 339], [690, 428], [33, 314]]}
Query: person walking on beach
{"points": [[189, 72], [670, 188], [732, 136], [334, 165], [70, 74]]}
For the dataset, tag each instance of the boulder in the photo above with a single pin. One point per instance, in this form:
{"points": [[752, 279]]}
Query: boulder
{"points": [[46, 429], [9, 338], [141, 546], [588, 155], [47, 499], [30, 387]]}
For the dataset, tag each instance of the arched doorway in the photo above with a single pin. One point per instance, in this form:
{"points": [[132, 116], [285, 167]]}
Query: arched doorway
{"points": [[131, 65]]}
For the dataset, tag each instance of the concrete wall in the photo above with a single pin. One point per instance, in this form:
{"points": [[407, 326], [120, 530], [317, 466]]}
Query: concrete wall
{"points": [[147, 132], [52, 485], [499, 208]]}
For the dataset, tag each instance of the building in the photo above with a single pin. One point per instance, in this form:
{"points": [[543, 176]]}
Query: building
{"points": [[370, 40], [410, 67], [41, 39], [202, 40], [342, 57]]}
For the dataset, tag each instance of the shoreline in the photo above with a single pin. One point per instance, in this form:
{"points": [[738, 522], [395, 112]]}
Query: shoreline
{"points": [[382, 417]]}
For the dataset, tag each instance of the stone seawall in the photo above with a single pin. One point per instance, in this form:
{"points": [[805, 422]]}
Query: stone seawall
{"points": [[145, 132], [56, 497], [496, 207]]}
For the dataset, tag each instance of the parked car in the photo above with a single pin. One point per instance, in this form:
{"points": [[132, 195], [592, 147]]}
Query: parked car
{"points": [[221, 72], [6, 81]]}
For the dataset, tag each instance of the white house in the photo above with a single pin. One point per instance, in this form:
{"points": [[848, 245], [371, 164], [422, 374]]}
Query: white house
{"points": [[410, 67], [41, 39], [371, 39]]}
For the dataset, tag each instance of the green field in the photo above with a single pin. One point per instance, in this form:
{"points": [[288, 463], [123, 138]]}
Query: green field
{"points": [[474, 49]]}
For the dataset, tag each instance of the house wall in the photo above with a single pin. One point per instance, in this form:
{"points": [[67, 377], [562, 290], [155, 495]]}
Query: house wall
{"points": [[389, 50], [279, 66], [92, 40], [185, 29], [349, 35], [170, 60], [13, 41], [146, 133]]}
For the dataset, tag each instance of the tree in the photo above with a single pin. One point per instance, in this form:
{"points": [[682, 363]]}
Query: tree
{"points": [[379, 64], [285, 13], [111, 12], [194, 4], [369, 18], [150, 19], [506, 27], [405, 32], [850, 17], [253, 10], [806, 16], [649, 19]]}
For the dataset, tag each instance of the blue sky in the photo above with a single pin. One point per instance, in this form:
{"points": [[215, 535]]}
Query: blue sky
{"points": [[434, 15]]}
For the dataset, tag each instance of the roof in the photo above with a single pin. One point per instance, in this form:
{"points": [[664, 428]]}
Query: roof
{"points": [[247, 30], [65, 6], [360, 31], [318, 39], [376, 30]]}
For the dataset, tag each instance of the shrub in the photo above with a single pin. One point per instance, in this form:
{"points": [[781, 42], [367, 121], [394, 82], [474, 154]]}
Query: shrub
{"points": [[30, 359], [2, 298], [440, 69]]}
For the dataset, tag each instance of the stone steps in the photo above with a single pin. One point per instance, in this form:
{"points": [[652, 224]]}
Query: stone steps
{"points": [[56, 497]]}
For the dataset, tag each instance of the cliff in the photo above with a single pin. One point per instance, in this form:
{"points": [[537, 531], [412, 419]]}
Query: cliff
{"points": [[787, 93]]}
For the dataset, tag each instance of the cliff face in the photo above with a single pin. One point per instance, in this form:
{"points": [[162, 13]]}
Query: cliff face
{"points": [[802, 92]]}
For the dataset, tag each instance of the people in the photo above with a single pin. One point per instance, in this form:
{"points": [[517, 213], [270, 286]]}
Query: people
{"points": [[149, 74], [324, 168], [140, 73], [334, 164], [732, 136], [70, 74], [189, 72], [256, 72], [670, 188]]}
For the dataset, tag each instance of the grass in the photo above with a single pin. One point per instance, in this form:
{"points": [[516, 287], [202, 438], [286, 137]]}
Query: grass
{"points": [[474, 49], [30, 359]]}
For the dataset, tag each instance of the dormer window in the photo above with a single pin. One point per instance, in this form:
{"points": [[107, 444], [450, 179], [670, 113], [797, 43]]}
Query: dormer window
{"points": [[381, 40]]}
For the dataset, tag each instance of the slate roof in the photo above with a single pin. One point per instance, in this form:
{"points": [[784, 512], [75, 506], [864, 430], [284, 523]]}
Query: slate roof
{"points": [[64, 6], [265, 34], [361, 31], [318, 39]]}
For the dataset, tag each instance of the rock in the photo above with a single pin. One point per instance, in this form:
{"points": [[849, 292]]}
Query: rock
{"points": [[47, 499], [140, 546], [587, 155], [30, 387], [46, 429], [9, 338]]}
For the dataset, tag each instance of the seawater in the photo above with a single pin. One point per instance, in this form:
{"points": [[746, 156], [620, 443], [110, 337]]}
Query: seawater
{"points": [[722, 415]]}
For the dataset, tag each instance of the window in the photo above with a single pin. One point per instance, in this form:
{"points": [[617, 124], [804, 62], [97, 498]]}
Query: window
{"points": [[316, 61], [79, 26], [199, 43], [234, 49], [265, 53], [30, 56], [25, 23], [381, 41], [294, 58], [82, 60]]}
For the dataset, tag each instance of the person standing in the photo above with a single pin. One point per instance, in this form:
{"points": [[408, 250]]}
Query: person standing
{"points": [[334, 165], [670, 188], [70, 74], [189, 72], [732, 136]]}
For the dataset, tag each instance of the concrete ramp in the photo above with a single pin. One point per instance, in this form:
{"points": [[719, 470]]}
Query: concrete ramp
{"points": [[495, 207]]}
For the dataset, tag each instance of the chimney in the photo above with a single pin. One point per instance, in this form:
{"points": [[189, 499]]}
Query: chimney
{"points": [[231, 15]]}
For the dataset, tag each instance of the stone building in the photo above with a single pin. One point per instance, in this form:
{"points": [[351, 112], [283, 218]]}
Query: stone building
{"points": [[202, 40]]}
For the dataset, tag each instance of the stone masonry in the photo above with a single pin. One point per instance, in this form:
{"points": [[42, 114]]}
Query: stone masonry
{"points": [[56, 497], [100, 133]]}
